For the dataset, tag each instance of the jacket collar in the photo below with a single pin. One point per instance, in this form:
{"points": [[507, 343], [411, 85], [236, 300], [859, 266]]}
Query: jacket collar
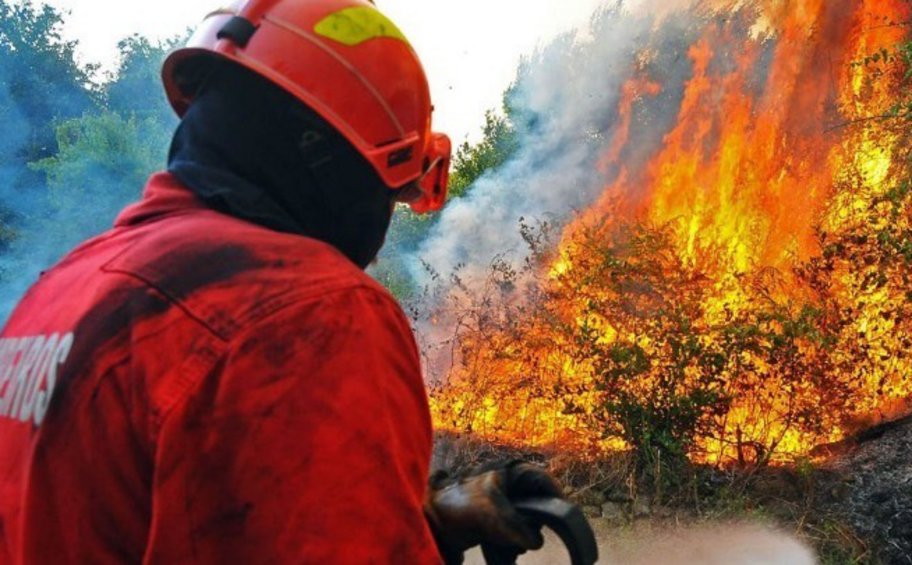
{"points": [[164, 195]]}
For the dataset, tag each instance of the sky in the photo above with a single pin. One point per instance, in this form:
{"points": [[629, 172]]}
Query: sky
{"points": [[470, 48]]}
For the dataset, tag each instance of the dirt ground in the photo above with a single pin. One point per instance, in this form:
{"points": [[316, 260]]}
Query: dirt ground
{"points": [[649, 545], [867, 486]]}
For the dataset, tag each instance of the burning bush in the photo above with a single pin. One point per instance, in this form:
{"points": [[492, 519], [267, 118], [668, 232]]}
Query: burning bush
{"points": [[743, 296], [621, 351]]}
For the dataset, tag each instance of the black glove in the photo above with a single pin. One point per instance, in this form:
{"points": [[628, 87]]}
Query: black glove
{"points": [[478, 509]]}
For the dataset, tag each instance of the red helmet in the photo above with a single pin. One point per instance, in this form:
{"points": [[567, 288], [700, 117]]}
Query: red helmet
{"points": [[346, 61]]}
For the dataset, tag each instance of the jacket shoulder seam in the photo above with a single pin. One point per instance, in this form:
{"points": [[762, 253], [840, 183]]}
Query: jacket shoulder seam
{"points": [[277, 306], [171, 299], [290, 299]]}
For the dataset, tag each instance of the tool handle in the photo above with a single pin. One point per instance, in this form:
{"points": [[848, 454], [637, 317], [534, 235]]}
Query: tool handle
{"points": [[566, 520]]}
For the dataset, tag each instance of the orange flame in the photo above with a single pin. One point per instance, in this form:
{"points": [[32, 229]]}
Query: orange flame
{"points": [[744, 184]]}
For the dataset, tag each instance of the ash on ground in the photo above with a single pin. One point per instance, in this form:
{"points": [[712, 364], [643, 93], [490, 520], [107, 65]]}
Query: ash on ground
{"points": [[872, 488]]}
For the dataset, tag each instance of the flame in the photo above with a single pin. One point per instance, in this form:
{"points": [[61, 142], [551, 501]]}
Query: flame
{"points": [[750, 184]]}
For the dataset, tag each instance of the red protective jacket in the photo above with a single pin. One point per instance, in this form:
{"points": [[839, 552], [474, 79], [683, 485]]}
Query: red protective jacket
{"points": [[189, 387]]}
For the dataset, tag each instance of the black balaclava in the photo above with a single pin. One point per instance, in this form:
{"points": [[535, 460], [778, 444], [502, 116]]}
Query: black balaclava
{"points": [[249, 149]]}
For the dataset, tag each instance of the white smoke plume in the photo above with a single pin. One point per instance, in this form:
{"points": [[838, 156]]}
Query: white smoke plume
{"points": [[566, 109], [565, 98]]}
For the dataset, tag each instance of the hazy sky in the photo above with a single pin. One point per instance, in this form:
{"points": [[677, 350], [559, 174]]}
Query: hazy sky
{"points": [[470, 48]]}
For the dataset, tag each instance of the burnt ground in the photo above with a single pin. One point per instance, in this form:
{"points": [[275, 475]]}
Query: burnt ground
{"points": [[871, 486]]}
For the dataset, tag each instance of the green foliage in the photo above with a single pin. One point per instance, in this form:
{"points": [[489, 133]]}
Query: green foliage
{"points": [[499, 142], [406, 232], [135, 89], [39, 74], [392, 274], [102, 159], [73, 153], [40, 82], [105, 144]]}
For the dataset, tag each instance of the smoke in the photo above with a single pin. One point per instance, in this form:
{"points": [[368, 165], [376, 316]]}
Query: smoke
{"points": [[565, 103], [69, 163], [13, 140], [22, 192], [44, 231], [101, 165], [568, 109]]}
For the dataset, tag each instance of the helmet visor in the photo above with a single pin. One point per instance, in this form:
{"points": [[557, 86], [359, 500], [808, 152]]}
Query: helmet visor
{"points": [[434, 182]]}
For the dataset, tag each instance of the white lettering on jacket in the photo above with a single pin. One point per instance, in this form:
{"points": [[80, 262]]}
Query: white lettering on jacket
{"points": [[28, 374]]}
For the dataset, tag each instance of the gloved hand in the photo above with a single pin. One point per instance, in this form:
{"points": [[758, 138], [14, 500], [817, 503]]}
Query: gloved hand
{"points": [[478, 510]]}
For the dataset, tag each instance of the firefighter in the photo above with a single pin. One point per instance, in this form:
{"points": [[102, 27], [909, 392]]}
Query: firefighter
{"points": [[216, 379]]}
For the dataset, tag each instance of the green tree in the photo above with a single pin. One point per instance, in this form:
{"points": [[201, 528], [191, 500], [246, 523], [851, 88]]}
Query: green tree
{"points": [[104, 157], [135, 88], [102, 163], [499, 142], [41, 80]]}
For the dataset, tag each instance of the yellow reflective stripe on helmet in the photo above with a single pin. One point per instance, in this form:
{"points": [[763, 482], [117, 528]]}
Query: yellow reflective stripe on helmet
{"points": [[353, 26]]}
